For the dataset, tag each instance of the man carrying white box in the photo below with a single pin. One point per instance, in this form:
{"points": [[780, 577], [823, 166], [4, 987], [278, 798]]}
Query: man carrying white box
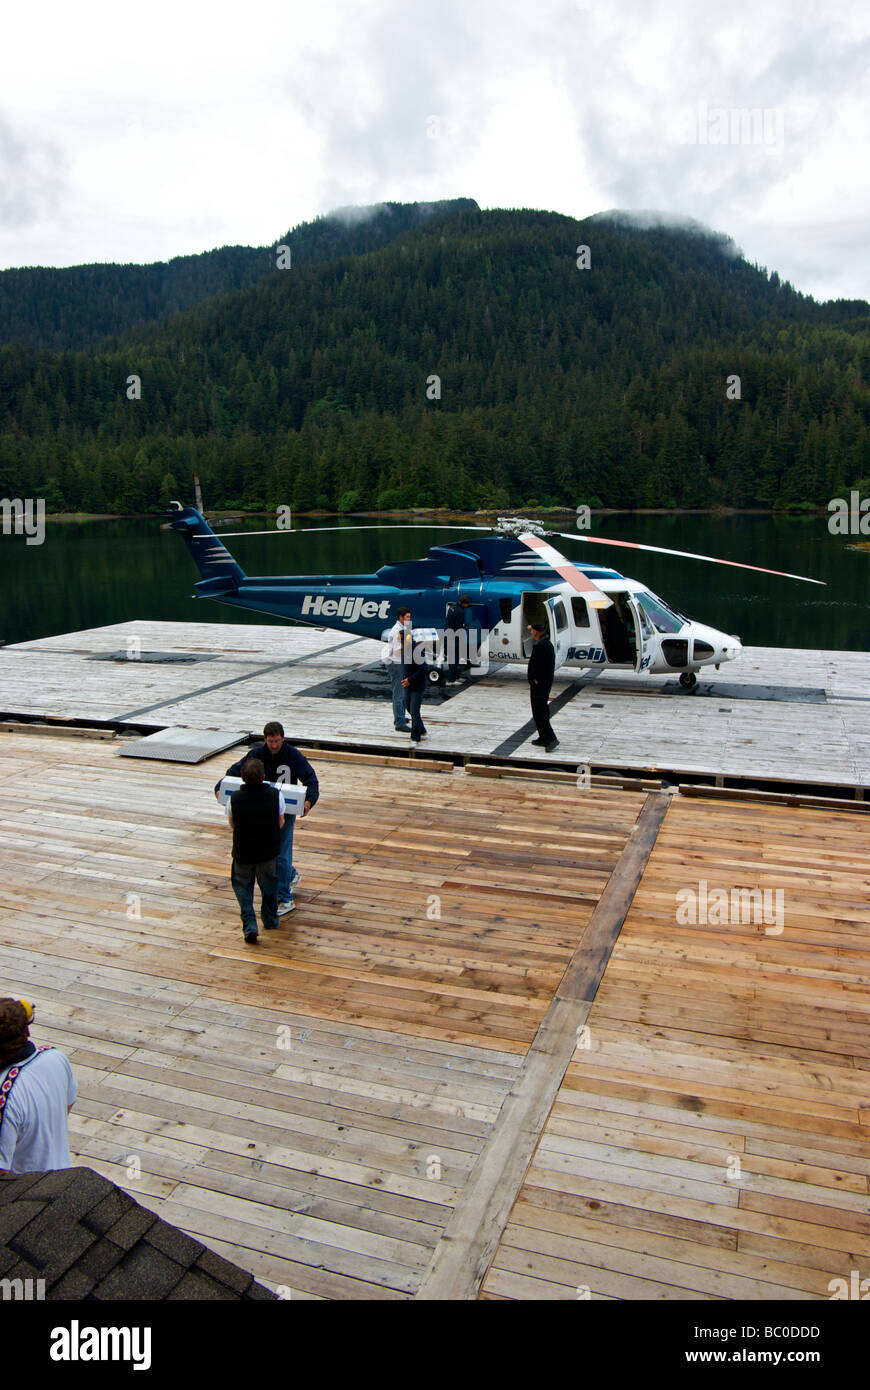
{"points": [[256, 814], [286, 768]]}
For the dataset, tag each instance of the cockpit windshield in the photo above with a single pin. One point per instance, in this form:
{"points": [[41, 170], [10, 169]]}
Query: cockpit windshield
{"points": [[663, 618]]}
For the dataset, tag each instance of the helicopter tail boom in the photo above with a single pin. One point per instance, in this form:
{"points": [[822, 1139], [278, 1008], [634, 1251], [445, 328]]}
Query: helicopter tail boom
{"points": [[218, 569]]}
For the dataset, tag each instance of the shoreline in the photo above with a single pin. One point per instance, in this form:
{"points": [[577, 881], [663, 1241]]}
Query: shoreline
{"points": [[447, 514]]}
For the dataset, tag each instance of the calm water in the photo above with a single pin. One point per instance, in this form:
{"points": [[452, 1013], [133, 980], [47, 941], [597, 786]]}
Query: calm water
{"points": [[90, 574]]}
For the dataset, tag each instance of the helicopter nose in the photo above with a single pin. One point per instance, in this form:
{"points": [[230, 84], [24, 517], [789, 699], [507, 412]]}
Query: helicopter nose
{"points": [[731, 649]]}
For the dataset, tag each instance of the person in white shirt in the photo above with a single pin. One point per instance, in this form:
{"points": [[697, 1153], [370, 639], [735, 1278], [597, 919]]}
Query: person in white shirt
{"points": [[395, 656], [37, 1091]]}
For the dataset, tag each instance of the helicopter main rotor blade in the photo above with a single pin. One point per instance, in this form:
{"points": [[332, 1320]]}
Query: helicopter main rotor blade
{"points": [[574, 576], [563, 566], [307, 530], [687, 555]]}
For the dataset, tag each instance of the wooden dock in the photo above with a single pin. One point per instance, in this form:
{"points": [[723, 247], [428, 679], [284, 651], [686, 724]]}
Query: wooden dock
{"points": [[483, 1058], [711, 1138], [775, 716]]}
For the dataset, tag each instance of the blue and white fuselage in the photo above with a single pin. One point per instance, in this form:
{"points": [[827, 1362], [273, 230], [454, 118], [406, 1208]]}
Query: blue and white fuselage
{"points": [[507, 585]]}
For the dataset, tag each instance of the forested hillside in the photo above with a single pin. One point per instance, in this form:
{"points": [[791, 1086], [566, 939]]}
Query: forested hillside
{"points": [[558, 385], [79, 306]]}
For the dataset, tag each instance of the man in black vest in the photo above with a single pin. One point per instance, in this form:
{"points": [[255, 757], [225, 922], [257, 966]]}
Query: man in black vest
{"points": [[282, 763], [542, 664], [256, 814]]}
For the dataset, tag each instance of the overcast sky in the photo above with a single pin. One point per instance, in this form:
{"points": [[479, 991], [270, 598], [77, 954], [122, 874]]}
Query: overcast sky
{"points": [[141, 132]]}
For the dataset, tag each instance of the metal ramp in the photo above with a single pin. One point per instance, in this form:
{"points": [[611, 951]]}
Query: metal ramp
{"points": [[183, 745]]}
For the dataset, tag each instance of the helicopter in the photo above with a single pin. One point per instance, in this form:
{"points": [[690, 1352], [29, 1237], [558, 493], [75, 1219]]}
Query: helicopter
{"points": [[511, 577]]}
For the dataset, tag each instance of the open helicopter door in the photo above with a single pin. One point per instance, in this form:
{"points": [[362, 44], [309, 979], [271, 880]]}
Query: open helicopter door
{"points": [[626, 632], [560, 629], [553, 613], [644, 635]]}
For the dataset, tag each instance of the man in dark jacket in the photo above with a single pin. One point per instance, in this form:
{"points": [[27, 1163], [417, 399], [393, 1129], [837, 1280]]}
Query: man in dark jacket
{"points": [[542, 664], [282, 763], [256, 814], [454, 623], [415, 678]]}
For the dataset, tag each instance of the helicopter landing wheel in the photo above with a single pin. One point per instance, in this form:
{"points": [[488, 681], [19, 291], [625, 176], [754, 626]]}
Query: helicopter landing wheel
{"points": [[436, 676], [688, 680]]}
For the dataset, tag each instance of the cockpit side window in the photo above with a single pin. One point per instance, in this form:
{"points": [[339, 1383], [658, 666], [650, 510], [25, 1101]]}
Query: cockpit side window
{"points": [[662, 618]]}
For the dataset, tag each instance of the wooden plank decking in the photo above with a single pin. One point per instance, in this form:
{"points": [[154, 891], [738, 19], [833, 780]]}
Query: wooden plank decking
{"points": [[323, 1108], [711, 1138], [314, 1104], [774, 714]]}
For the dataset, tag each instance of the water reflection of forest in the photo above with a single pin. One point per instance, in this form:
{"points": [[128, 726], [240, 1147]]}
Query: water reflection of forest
{"points": [[88, 574]]}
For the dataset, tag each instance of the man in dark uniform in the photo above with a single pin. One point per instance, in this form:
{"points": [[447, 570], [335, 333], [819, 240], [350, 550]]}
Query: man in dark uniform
{"points": [[454, 623], [542, 664], [415, 678], [256, 814], [282, 763]]}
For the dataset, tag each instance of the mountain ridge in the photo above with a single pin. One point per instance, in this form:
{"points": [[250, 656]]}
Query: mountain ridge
{"points": [[39, 304], [469, 361]]}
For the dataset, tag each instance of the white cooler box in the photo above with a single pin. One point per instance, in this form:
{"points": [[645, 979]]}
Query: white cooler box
{"points": [[294, 793]]}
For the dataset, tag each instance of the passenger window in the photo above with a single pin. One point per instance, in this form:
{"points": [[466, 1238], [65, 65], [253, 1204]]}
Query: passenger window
{"points": [[506, 609], [561, 616], [580, 611]]}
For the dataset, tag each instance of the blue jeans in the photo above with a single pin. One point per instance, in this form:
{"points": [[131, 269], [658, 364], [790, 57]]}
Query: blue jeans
{"points": [[399, 717], [413, 700], [242, 878], [284, 862]]}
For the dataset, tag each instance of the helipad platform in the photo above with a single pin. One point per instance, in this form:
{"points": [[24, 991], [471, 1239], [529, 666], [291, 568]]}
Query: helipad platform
{"points": [[776, 716], [508, 1045]]}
